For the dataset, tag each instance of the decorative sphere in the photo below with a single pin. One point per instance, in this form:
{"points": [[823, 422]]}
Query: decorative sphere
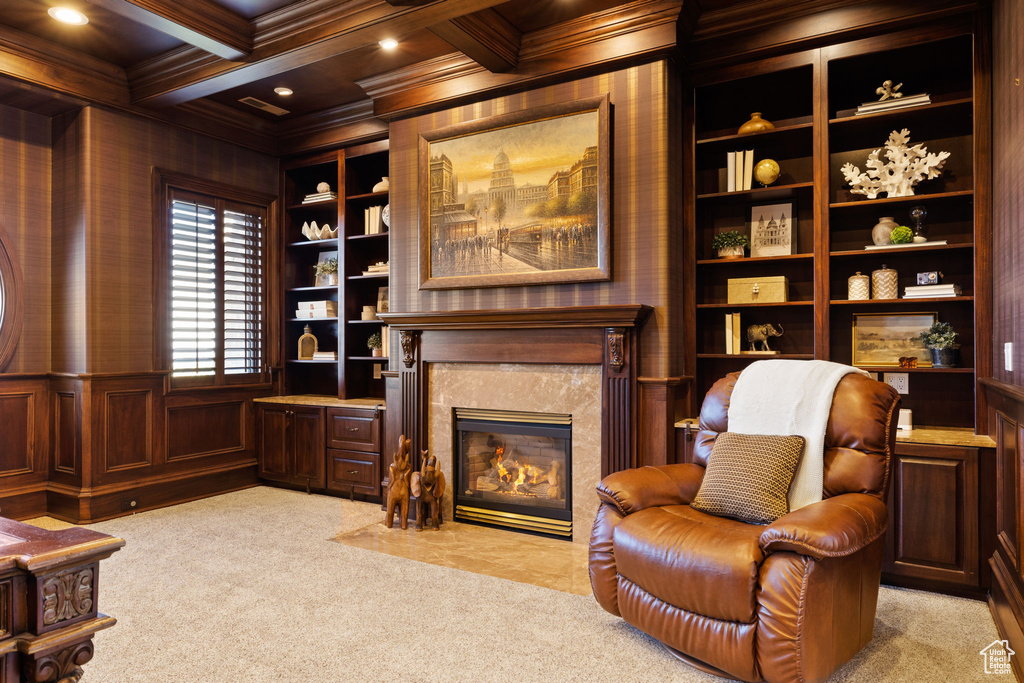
{"points": [[901, 235], [767, 171], [323, 187]]}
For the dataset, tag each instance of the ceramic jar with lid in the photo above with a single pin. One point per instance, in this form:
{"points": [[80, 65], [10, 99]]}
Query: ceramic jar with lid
{"points": [[858, 287], [885, 283]]}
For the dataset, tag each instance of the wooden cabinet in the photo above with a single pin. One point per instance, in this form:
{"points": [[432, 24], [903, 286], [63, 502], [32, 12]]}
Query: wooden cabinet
{"points": [[817, 131], [290, 444], [351, 174], [333, 449], [934, 515]]}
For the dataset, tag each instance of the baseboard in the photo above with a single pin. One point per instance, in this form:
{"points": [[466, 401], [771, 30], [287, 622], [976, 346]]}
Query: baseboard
{"points": [[83, 506], [24, 502], [933, 586], [1007, 608]]}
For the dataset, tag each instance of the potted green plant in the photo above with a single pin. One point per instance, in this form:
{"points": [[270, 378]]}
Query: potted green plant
{"points": [[730, 244], [327, 272], [374, 344], [940, 339]]}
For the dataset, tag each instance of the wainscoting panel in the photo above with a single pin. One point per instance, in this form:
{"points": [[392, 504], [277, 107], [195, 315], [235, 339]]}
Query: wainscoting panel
{"points": [[128, 429], [66, 427], [195, 431], [16, 437]]}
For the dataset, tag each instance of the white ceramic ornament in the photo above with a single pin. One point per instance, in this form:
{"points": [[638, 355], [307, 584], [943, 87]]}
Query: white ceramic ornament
{"points": [[306, 232], [323, 187], [906, 167]]}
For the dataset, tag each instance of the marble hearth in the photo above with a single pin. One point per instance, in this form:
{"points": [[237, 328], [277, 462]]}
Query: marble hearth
{"points": [[572, 389]]}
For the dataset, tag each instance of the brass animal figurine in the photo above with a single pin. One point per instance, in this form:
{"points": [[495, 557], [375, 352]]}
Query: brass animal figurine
{"points": [[761, 333], [428, 487], [398, 485]]}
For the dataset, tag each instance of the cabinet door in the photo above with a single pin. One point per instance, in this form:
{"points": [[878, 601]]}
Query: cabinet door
{"points": [[307, 445], [272, 447], [933, 514]]}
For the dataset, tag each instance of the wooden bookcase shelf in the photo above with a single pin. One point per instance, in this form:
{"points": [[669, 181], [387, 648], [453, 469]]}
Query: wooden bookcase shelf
{"points": [[351, 172], [816, 133]]}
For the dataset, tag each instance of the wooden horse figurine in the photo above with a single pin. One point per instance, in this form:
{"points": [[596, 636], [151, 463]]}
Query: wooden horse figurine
{"points": [[398, 485], [428, 487]]}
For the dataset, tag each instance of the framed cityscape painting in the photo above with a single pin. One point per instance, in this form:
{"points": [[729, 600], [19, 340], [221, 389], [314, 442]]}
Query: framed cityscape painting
{"points": [[517, 199]]}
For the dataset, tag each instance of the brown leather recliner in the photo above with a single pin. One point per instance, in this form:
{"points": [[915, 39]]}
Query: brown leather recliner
{"points": [[788, 601]]}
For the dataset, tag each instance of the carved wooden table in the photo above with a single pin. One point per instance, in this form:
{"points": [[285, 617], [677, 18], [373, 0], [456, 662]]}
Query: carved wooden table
{"points": [[48, 595]]}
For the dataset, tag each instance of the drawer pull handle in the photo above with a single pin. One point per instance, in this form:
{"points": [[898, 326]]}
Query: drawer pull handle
{"points": [[353, 471], [352, 429]]}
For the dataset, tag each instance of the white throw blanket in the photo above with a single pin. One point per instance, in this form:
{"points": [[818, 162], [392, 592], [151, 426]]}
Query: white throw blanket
{"points": [[785, 397]]}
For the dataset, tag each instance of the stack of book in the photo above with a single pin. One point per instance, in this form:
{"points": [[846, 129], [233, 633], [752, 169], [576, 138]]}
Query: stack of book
{"points": [[931, 243], [319, 197], [379, 268], [898, 103], [317, 309], [372, 223], [325, 355], [931, 291], [739, 170], [733, 339]]}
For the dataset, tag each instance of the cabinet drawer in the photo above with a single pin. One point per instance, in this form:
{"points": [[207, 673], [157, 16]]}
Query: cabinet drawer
{"points": [[346, 469], [353, 429]]}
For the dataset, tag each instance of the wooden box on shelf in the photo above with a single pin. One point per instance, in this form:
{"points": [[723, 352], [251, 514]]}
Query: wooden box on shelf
{"points": [[753, 290]]}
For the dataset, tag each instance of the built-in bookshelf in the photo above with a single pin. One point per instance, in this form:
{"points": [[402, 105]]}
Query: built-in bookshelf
{"points": [[352, 173], [812, 98]]}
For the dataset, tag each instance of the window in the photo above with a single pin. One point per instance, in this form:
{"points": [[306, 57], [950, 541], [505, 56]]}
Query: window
{"points": [[214, 275]]}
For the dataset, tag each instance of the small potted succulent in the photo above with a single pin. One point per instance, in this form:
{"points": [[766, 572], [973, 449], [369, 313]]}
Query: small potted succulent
{"points": [[327, 272], [940, 339], [730, 244], [374, 344]]}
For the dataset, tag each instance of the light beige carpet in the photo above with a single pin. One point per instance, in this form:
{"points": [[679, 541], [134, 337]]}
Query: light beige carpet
{"points": [[249, 587]]}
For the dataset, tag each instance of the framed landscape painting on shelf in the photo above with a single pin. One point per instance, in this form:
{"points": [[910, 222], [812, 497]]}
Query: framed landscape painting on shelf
{"points": [[881, 339], [772, 230], [517, 199]]}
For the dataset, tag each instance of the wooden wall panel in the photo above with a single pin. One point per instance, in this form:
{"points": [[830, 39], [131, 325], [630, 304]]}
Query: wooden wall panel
{"points": [[66, 425], [1008, 188], [128, 429], [643, 238], [17, 437], [25, 216], [194, 431]]}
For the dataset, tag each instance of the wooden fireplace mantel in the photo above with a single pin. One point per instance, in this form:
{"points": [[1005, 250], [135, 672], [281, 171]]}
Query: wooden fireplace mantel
{"points": [[591, 335]]}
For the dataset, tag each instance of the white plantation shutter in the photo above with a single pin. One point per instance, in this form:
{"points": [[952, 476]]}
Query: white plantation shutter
{"points": [[216, 290], [193, 288], [243, 291]]}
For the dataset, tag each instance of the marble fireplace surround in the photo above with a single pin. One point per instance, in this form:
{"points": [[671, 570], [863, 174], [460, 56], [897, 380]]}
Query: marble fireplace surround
{"points": [[580, 360]]}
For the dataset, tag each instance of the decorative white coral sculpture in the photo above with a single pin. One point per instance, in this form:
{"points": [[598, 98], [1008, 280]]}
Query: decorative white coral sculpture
{"points": [[907, 167]]}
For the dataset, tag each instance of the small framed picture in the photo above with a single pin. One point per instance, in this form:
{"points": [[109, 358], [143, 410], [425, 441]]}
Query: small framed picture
{"points": [[382, 299], [882, 339], [772, 229]]}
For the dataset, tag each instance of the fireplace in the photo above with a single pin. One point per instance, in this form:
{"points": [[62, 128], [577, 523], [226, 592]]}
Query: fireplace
{"points": [[514, 470]]}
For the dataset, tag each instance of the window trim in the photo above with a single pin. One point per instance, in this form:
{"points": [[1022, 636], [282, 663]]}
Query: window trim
{"points": [[164, 184], [13, 293]]}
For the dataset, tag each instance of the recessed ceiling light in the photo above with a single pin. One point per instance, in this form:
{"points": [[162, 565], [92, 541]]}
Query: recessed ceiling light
{"points": [[68, 15], [389, 43], [283, 92]]}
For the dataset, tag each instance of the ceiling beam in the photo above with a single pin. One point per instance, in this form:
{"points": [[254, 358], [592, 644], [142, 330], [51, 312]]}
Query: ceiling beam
{"points": [[487, 37], [205, 24], [286, 40]]}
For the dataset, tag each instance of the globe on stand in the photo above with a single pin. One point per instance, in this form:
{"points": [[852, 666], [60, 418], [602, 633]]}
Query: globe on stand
{"points": [[766, 171]]}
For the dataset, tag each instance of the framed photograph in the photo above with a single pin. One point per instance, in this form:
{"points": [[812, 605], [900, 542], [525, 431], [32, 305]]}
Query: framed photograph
{"points": [[772, 229], [382, 299], [517, 199], [881, 339]]}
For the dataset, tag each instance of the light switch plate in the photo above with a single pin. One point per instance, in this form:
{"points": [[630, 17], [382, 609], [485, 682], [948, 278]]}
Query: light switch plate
{"points": [[1008, 356], [900, 381]]}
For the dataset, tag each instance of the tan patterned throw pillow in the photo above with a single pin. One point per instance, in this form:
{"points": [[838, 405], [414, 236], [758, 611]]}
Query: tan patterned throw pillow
{"points": [[748, 477]]}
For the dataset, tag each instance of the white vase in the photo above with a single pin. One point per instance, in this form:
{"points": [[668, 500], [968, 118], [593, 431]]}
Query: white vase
{"points": [[382, 186], [883, 229]]}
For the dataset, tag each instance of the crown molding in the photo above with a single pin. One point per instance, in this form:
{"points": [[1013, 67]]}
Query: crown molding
{"points": [[638, 31], [347, 124]]}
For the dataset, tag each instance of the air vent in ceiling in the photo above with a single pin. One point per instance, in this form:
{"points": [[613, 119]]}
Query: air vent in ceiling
{"points": [[260, 104]]}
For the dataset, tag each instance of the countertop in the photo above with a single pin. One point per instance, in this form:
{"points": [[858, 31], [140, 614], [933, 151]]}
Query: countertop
{"points": [[325, 401], [943, 436]]}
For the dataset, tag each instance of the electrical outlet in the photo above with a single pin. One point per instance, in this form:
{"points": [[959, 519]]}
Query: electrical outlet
{"points": [[900, 381], [1008, 356]]}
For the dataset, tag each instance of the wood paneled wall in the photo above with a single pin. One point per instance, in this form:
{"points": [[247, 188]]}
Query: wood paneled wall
{"points": [[1008, 188], [645, 239], [25, 216]]}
